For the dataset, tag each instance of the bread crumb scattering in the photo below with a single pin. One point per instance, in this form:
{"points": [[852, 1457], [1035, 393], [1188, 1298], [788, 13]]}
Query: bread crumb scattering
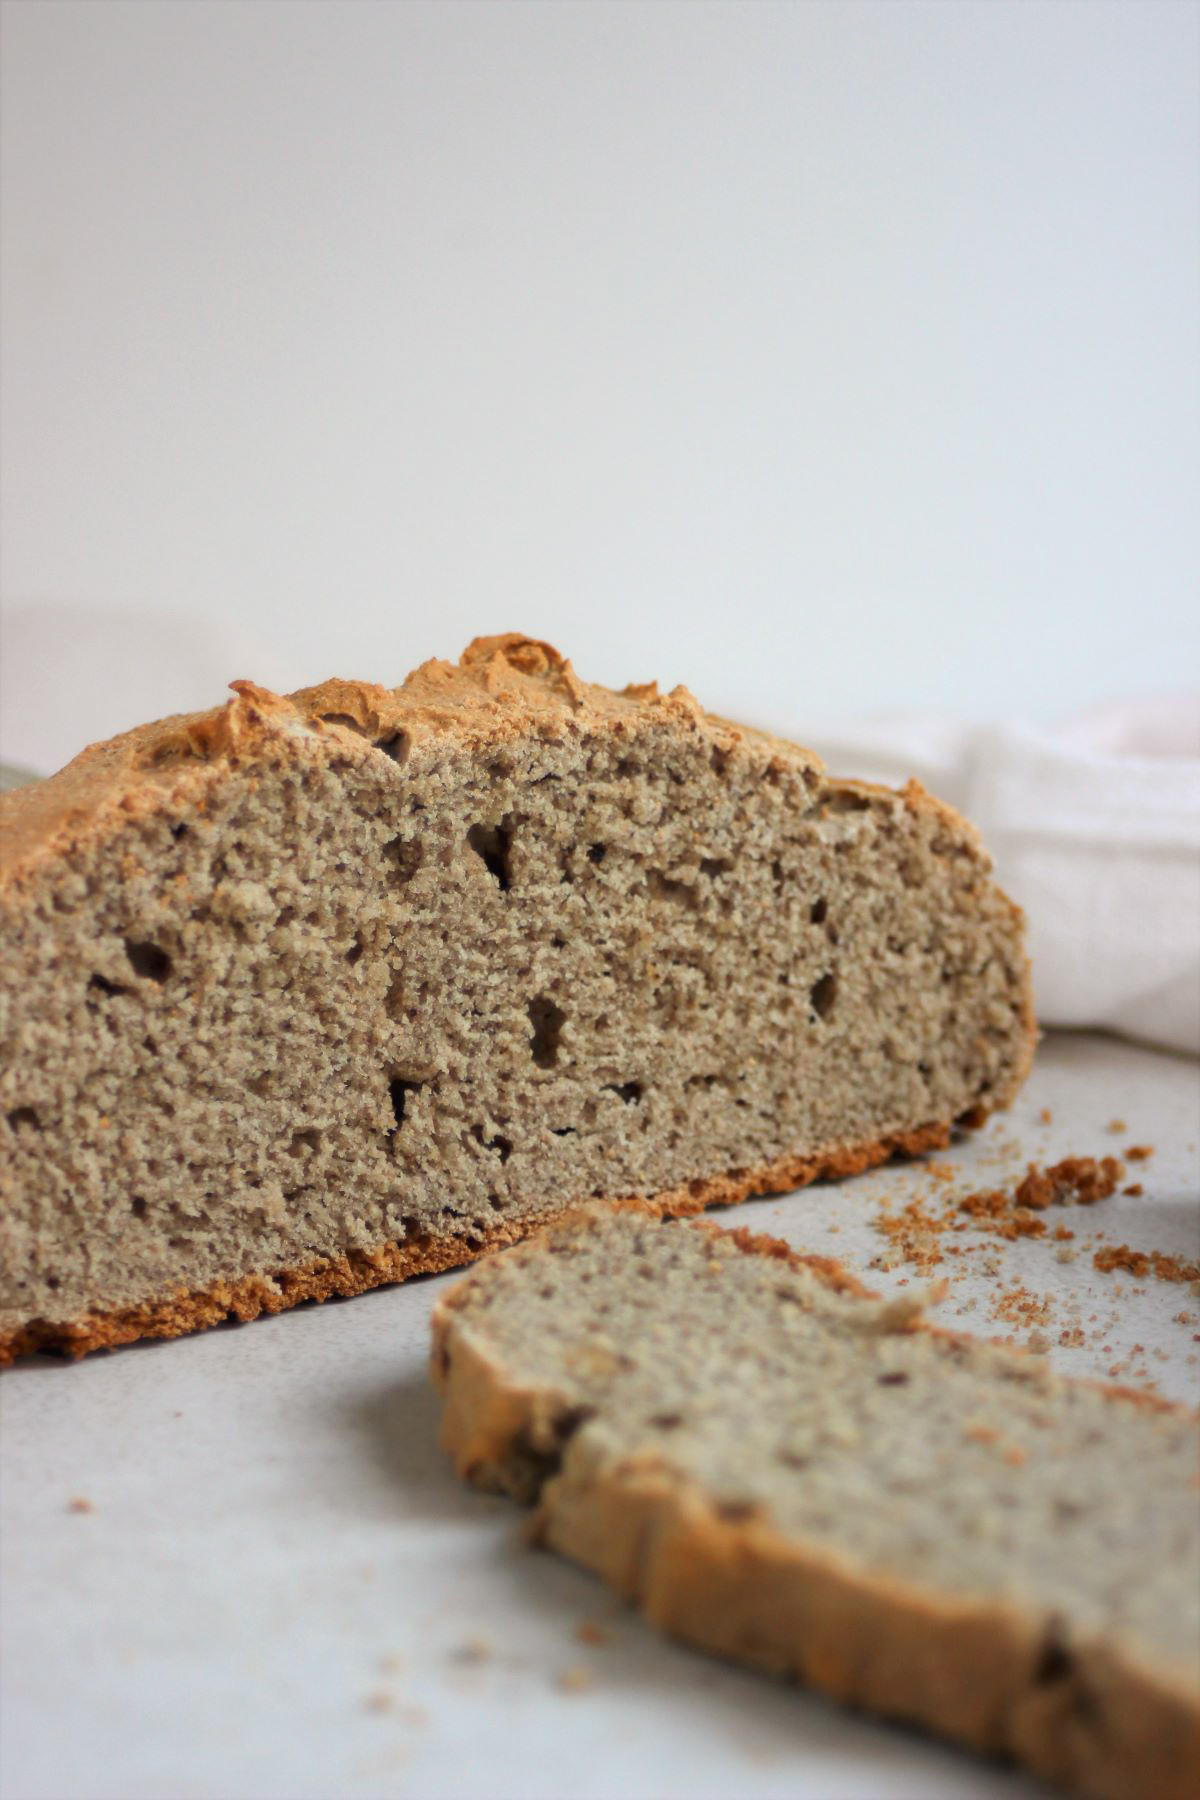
{"points": [[1076, 1181], [1116, 1126], [81, 1504], [589, 1631], [1135, 1190], [1021, 1306], [1139, 1152], [918, 1231], [1145, 1262]]}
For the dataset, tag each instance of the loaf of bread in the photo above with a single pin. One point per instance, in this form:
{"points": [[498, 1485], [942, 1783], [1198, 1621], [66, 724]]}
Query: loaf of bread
{"points": [[304, 995], [778, 1467]]}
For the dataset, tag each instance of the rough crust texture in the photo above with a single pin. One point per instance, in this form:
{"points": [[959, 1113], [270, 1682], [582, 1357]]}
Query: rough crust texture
{"points": [[342, 1277], [1101, 1720], [505, 695]]}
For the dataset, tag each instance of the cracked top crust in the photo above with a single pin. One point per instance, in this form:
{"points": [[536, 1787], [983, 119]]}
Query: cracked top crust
{"points": [[501, 688]]}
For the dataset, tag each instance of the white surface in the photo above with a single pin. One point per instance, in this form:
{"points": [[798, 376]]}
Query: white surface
{"points": [[272, 1519], [818, 356]]}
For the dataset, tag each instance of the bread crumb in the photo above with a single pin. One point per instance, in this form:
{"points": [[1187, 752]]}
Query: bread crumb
{"points": [[1064, 1254], [1014, 1455], [380, 1701], [1046, 1116], [474, 1650], [81, 1504], [575, 1681], [1139, 1152], [1038, 1342], [1135, 1190], [1116, 1126], [589, 1631], [1145, 1262]]}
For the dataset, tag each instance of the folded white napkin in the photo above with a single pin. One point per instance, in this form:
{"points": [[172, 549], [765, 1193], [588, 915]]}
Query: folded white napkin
{"points": [[1095, 830]]}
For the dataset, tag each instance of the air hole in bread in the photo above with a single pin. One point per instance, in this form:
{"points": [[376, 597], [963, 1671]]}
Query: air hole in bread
{"points": [[396, 746], [404, 854], [24, 1118], [500, 1144], [547, 1020], [817, 911], [100, 984], [493, 845], [663, 887], [148, 961], [399, 1089], [308, 1141], [823, 995], [628, 1091], [597, 852]]}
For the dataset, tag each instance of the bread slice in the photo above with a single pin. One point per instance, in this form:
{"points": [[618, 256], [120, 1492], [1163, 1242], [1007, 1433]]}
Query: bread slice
{"points": [[305, 995], [778, 1467]]}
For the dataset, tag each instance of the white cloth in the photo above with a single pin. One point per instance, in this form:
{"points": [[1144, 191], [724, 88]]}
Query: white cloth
{"points": [[1095, 830]]}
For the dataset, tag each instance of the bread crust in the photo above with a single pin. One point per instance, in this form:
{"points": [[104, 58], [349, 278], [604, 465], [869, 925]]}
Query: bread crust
{"points": [[502, 689], [981, 1673], [340, 1277]]}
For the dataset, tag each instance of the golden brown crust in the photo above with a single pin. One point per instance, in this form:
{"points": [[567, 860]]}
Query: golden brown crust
{"points": [[965, 1667], [500, 689], [325, 1278]]}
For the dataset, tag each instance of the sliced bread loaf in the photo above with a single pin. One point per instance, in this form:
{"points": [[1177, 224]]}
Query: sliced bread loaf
{"points": [[305, 995], [778, 1467]]}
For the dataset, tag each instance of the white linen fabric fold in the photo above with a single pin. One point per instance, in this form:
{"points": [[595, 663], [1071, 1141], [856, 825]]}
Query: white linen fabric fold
{"points": [[1094, 826]]}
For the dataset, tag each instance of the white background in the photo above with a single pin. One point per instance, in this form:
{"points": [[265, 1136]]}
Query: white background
{"points": [[823, 356]]}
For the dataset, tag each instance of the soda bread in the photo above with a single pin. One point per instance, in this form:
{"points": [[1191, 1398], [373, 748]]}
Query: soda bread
{"points": [[778, 1467], [304, 995]]}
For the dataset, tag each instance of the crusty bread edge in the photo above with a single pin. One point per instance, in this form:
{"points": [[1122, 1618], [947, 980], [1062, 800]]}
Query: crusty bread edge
{"points": [[357, 1271], [1095, 1718]]}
